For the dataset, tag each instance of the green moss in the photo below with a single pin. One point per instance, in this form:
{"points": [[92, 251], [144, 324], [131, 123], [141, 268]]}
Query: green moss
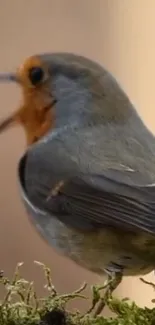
{"points": [[21, 305]]}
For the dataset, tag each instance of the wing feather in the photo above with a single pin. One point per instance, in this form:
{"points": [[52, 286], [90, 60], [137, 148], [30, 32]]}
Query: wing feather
{"points": [[112, 204]]}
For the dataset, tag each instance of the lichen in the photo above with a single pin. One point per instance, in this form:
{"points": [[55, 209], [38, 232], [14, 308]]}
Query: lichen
{"points": [[21, 304]]}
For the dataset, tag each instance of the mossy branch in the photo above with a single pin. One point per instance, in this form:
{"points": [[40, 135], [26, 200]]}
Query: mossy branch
{"points": [[21, 305]]}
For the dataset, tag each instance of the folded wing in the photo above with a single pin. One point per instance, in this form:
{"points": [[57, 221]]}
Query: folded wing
{"points": [[105, 201]]}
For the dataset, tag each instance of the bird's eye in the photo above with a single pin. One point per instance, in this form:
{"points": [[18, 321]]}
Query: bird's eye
{"points": [[36, 75]]}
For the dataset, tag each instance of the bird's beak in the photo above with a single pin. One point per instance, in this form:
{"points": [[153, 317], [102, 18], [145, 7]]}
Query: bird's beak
{"points": [[8, 77], [13, 119]]}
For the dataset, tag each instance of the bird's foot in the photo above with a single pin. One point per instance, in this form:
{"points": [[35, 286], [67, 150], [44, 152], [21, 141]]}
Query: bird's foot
{"points": [[113, 282]]}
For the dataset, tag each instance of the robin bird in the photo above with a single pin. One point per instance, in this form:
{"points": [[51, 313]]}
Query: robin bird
{"points": [[87, 176]]}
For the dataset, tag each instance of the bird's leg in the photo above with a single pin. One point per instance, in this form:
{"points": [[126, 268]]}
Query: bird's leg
{"points": [[114, 280]]}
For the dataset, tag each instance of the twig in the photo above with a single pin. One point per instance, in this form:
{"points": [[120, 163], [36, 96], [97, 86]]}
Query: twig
{"points": [[148, 282]]}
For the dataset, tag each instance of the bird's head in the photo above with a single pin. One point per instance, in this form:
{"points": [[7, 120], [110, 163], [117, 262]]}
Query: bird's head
{"points": [[36, 112], [62, 89]]}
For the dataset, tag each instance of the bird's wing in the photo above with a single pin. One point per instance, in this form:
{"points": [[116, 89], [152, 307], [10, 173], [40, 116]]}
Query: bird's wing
{"points": [[103, 200]]}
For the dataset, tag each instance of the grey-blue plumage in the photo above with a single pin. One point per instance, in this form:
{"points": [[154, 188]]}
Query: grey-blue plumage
{"points": [[103, 216]]}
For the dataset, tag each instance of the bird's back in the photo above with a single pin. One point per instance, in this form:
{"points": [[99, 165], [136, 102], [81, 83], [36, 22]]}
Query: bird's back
{"points": [[110, 133]]}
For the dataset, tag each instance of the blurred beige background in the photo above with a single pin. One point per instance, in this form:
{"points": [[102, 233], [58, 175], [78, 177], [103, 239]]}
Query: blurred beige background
{"points": [[118, 33]]}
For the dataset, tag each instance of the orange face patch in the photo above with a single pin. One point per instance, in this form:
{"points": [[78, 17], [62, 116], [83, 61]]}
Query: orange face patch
{"points": [[36, 114]]}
